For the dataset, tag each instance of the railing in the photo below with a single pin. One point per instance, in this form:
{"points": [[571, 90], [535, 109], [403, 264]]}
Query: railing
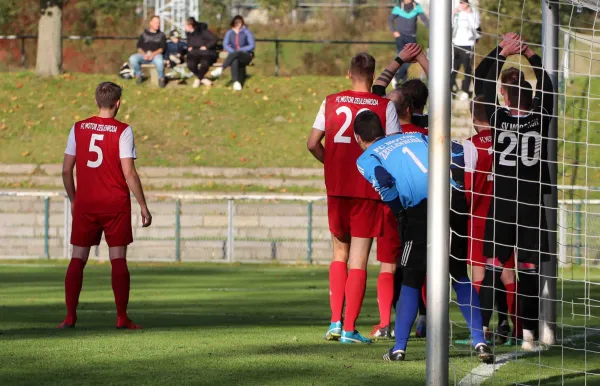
{"points": [[262, 228], [276, 41]]}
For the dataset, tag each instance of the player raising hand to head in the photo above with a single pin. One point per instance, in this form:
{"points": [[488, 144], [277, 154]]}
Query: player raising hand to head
{"points": [[103, 151]]}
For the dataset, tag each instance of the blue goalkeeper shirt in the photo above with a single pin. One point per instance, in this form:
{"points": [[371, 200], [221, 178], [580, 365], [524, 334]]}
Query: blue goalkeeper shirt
{"points": [[397, 167]]}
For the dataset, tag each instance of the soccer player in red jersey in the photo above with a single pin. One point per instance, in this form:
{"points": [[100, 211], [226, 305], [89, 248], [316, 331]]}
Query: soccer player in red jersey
{"points": [[103, 151], [488, 277], [354, 210]]}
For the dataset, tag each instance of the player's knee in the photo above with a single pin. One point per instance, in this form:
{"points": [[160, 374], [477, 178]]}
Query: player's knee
{"points": [[387, 268], [413, 278]]}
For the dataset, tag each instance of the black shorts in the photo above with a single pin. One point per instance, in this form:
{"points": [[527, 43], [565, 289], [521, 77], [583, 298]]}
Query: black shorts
{"points": [[414, 238], [516, 226]]}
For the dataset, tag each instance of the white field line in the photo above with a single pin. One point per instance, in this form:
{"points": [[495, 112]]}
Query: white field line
{"points": [[483, 372]]}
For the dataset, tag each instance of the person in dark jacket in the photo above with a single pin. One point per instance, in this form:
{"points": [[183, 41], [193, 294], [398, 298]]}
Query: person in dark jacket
{"points": [[150, 48], [240, 44], [202, 50], [403, 23]]}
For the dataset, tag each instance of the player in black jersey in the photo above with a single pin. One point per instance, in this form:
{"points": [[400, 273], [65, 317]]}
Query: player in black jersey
{"points": [[516, 222]]}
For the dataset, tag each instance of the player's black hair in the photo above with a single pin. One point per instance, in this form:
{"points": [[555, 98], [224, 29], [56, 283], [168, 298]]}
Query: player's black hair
{"points": [[108, 94], [368, 127], [478, 111], [236, 19], [520, 94], [362, 65], [418, 92]]}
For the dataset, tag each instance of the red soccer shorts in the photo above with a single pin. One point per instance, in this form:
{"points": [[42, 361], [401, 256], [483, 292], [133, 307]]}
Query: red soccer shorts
{"points": [[389, 245], [357, 217], [88, 227], [476, 233]]}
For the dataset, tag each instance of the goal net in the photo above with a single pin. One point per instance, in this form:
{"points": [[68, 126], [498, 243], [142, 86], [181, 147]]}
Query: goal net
{"points": [[569, 352]]}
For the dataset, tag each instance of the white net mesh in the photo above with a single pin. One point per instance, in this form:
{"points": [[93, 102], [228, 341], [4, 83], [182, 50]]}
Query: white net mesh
{"points": [[574, 356]]}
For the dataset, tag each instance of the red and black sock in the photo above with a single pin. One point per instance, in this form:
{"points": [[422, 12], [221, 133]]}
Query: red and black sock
{"points": [[73, 284], [120, 286], [385, 295], [338, 274], [355, 293]]}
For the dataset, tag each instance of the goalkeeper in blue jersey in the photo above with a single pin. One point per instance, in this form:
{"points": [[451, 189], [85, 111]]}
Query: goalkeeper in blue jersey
{"points": [[397, 167]]}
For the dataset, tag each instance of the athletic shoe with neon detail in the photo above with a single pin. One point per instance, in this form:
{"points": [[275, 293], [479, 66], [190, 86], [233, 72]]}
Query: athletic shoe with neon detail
{"points": [[350, 337], [127, 324], [379, 332], [334, 332], [394, 356]]}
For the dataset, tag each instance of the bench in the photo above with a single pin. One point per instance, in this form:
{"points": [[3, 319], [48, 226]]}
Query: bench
{"points": [[151, 69]]}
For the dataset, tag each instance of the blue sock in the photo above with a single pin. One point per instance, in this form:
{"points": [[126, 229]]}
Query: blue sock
{"points": [[406, 312], [468, 301]]}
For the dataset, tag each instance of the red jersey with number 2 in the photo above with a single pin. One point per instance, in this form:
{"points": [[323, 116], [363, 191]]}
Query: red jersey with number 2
{"points": [[101, 185], [341, 149]]}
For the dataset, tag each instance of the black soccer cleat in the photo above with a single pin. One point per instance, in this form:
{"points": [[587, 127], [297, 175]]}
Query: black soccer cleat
{"points": [[502, 333], [484, 353], [394, 356]]}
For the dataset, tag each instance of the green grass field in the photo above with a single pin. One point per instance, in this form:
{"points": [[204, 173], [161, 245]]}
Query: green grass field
{"points": [[220, 324]]}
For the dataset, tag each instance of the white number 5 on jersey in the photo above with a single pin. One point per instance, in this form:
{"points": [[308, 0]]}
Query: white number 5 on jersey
{"points": [[97, 150]]}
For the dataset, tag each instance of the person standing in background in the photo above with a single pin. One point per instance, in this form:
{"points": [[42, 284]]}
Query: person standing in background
{"points": [[239, 43], [465, 34], [403, 24]]}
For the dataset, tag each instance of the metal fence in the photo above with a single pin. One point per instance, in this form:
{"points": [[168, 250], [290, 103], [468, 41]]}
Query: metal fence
{"points": [[222, 228], [277, 44]]}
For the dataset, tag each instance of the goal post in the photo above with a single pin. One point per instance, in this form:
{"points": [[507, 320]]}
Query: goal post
{"points": [[549, 270]]}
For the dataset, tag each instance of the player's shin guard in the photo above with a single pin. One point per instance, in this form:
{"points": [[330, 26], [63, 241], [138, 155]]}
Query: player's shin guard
{"points": [[468, 302], [338, 273], [512, 308], [486, 296], [501, 302], [529, 299], [355, 293], [385, 294], [73, 285], [406, 312], [120, 286]]}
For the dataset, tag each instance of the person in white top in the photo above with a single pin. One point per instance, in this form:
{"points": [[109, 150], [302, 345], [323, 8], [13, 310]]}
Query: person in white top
{"points": [[466, 33]]}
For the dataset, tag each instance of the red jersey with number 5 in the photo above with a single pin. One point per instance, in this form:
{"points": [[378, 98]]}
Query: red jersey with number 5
{"points": [[336, 118], [479, 183], [98, 145]]}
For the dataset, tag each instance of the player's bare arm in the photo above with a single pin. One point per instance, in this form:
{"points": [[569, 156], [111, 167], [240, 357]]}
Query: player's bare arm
{"points": [[135, 185], [68, 177], [423, 61], [315, 144]]}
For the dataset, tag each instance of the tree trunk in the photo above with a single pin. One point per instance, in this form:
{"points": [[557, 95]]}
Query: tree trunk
{"points": [[49, 49]]}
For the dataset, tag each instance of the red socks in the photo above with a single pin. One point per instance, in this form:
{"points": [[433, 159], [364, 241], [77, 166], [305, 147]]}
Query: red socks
{"points": [[511, 289], [120, 286], [73, 284], [337, 284], [385, 295], [355, 293]]}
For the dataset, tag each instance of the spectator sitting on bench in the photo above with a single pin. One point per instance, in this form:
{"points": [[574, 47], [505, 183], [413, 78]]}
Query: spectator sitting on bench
{"points": [[176, 49], [150, 47], [202, 50], [239, 42]]}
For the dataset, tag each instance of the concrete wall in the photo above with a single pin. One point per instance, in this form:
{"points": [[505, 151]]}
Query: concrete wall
{"points": [[264, 231]]}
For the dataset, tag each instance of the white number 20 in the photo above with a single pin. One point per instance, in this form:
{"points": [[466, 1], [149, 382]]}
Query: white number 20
{"points": [[513, 140], [339, 136], [97, 150]]}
